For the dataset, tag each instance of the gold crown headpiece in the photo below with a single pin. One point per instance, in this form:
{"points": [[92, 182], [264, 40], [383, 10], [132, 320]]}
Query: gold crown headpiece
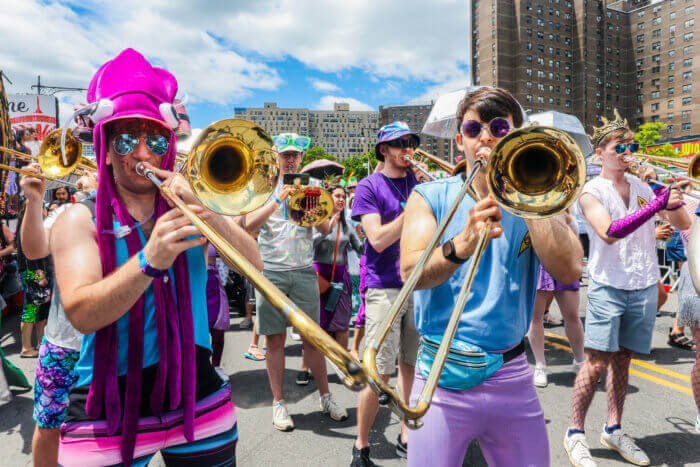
{"points": [[608, 126]]}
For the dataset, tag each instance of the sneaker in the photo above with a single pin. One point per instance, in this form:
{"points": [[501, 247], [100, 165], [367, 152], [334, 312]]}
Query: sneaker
{"points": [[620, 442], [577, 449], [222, 374], [540, 376], [401, 448], [697, 424], [331, 407], [360, 457], [294, 335], [246, 323], [280, 417], [303, 377], [576, 366]]}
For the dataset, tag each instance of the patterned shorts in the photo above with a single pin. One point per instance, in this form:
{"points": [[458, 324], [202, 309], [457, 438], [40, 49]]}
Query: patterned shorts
{"points": [[54, 380]]}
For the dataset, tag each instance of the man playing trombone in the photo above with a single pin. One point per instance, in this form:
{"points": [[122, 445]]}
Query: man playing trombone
{"points": [[132, 277], [496, 404], [622, 293]]}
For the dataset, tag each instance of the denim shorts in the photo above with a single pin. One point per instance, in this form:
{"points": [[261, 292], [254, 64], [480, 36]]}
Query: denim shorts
{"points": [[617, 318]]}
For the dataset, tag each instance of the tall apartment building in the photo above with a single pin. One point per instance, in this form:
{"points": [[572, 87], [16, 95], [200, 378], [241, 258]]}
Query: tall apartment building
{"points": [[341, 132], [415, 116], [587, 57]]}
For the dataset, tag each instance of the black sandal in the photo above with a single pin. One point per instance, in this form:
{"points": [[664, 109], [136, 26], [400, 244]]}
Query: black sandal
{"points": [[681, 341]]}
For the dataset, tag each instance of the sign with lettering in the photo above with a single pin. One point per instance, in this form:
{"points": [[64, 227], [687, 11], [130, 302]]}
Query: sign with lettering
{"points": [[686, 148], [33, 111]]}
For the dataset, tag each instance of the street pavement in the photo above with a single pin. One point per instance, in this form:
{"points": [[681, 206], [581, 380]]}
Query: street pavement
{"points": [[659, 412]]}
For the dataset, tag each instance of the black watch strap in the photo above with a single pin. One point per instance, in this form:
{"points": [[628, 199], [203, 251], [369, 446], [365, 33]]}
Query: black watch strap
{"points": [[448, 251]]}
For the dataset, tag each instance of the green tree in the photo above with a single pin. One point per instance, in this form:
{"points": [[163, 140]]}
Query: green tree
{"points": [[648, 135], [316, 153], [358, 164]]}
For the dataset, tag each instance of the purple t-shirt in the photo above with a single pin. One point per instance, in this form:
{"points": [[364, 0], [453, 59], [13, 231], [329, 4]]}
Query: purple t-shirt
{"points": [[387, 197]]}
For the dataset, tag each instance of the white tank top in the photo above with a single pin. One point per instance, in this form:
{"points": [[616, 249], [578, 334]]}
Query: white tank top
{"points": [[630, 263]]}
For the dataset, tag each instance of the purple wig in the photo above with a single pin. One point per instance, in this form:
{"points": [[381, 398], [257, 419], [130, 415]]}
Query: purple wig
{"points": [[136, 90]]}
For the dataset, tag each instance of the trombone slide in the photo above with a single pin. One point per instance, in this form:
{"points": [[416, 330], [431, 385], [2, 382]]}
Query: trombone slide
{"points": [[355, 377]]}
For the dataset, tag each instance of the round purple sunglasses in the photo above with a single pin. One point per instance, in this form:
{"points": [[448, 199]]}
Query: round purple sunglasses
{"points": [[498, 128]]}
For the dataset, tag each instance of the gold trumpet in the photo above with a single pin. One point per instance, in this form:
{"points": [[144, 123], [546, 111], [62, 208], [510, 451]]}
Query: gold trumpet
{"points": [[51, 161], [231, 169], [533, 172]]}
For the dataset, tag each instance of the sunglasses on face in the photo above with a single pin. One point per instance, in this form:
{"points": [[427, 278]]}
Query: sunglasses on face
{"points": [[301, 143], [498, 128], [621, 148], [402, 143], [125, 143]]}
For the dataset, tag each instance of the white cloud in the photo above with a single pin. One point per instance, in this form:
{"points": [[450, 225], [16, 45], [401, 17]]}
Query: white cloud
{"points": [[220, 50], [323, 86], [326, 103], [459, 81]]}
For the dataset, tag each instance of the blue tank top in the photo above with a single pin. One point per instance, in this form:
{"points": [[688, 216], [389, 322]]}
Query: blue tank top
{"points": [[197, 270], [500, 304]]}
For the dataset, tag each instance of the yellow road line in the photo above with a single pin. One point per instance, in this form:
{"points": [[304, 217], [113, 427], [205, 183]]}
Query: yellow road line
{"points": [[647, 365], [655, 379]]}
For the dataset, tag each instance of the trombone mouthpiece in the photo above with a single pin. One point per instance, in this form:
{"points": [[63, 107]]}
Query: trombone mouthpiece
{"points": [[140, 169]]}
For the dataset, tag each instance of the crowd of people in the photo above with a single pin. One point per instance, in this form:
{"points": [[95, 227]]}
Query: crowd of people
{"points": [[130, 304]]}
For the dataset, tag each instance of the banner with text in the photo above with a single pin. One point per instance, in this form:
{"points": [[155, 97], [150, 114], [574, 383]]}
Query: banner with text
{"points": [[32, 111]]}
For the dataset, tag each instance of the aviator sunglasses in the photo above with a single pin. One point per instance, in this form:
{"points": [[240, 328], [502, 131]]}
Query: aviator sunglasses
{"points": [[301, 142], [620, 148], [125, 143], [403, 143], [498, 128]]}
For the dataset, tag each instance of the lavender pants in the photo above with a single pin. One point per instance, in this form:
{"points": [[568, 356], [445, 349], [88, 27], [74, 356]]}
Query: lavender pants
{"points": [[503, 414]]}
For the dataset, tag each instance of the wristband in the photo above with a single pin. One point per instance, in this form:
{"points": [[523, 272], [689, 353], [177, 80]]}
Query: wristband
{"points": [[149, 270], [277, 200]]}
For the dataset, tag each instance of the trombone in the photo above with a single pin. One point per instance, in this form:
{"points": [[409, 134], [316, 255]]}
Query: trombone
{"points": [[692, 168], [231, 169], [50, 159], [534, 172], [444, 165]]}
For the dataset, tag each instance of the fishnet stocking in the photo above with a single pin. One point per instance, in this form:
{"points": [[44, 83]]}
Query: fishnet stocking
{"points": [[585, 386], [616, 384]]}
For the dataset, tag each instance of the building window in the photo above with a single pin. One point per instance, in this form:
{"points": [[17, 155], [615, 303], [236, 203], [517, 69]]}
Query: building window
{"points": [[687, 87], [528, 45], [655, 94], [655, 82], [686, 126], [688, 36], [687, 75], [688, 62], [639, 25], [671, 53], [640, 62], [656, 58], [685, 114], [671, 79], [669, 129], [640, 50], [656, 45], [672, 66], [670, 116], [688, 49], [672, 15], [670, 104], [687, 100], [640, 38], [528, 58], [689, 23], [671, 91], [690, 10]]}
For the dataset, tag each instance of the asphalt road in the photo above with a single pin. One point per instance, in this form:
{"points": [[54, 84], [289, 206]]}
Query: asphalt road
{"points": [[659, 412]]}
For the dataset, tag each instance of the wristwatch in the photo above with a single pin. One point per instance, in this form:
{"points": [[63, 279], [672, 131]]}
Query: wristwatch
{"points": [[448, 251]]}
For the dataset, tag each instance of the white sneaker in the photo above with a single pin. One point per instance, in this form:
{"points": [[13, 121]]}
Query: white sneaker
{"points": [[697, 424], [280, 417], [331, 407], [294, 335], [576, 366], [620, 442], [577, 449], [540, 376], [222, 374]]}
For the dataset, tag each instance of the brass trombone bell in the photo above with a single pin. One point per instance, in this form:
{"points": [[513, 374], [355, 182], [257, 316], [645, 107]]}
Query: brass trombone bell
{"points": [[232, 156]]}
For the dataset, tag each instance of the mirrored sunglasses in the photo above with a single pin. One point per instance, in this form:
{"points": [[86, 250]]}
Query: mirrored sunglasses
{"points": [[621, 148], [125, 143], [498, 128]]}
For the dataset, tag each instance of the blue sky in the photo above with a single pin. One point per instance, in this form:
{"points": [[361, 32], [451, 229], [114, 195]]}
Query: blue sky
{"points": [[298, 53]]}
